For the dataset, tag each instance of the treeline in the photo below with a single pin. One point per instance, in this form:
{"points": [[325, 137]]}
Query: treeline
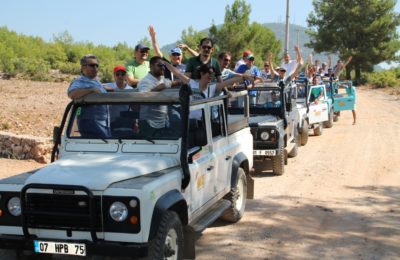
{"points": [[33, 58]]}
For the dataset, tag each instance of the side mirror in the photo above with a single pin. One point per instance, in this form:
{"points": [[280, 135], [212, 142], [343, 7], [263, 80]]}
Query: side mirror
{"points": [[56, 133]]}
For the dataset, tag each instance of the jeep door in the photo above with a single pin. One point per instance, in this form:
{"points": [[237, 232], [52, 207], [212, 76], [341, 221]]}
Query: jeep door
{"points": [[202, 167], [220, 148], [318, 107]]}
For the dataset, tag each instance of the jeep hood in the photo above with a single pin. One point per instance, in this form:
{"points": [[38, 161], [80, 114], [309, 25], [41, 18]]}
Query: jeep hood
{"points": [[261, 120], [98, 171]]}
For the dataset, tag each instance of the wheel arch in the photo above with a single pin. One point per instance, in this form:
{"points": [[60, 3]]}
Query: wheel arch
{"points": [[172, 200], [240, 160]]}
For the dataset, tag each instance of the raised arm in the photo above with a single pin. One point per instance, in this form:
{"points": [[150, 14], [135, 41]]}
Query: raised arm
{"points": [[154, 42], [190, 50], [329, 61], [348, 61], [271, 65], [298, 68], [298, 54], [229, 82], [176, 72]]}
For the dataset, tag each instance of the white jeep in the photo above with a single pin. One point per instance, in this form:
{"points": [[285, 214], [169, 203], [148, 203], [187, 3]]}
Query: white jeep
{"points": [[132, 194]]}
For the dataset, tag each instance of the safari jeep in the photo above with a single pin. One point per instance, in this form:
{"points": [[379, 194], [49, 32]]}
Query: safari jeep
{"points": [[313, 111], [273, 122], [131, 194]]}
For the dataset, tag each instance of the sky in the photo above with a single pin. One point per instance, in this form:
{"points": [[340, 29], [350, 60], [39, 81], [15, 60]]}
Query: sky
{"points": [[110, 22]]}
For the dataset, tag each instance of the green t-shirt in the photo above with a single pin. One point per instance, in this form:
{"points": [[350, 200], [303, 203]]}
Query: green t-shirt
{"points": [[138, 71], [194, 63]]}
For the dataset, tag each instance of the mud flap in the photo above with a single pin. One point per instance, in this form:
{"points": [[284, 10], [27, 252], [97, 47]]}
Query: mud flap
{"points": [[250, 187], [189, 243]]}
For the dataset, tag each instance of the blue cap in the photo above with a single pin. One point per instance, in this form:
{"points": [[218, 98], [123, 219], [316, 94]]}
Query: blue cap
{"points": [[141, 46], [176, 50]]}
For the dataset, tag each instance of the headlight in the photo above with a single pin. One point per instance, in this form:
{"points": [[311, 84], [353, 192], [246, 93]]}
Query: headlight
{"points": [[264, 136], [118, 211], [14, 206]]}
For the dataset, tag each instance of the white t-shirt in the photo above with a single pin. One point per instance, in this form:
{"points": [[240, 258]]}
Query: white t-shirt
{"points": [[290, 67], [155, 115], [238, 63]]}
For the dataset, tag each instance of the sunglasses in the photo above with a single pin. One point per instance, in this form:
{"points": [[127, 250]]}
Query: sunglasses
{"points": [[162, 66], [266, 65], [205, 47], [94, 65], [144, 51], [120, 73], [176, 54], [227, 60]]}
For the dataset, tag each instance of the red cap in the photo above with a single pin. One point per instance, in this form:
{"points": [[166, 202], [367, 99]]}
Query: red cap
{"points": [[119, 68], [246, 53]]}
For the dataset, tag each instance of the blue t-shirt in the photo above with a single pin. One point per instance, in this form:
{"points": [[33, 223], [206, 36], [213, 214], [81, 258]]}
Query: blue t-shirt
{"points": [[254, 71], [93, 120]]}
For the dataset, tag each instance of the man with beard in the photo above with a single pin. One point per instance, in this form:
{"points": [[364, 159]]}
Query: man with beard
{"points": [[154, 117]]}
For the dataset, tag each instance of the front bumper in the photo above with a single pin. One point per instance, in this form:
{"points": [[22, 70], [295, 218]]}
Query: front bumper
{"points": [[103, 248]]}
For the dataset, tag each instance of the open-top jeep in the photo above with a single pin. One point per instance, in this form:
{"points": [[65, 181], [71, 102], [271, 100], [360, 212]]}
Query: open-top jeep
{"points": [[132, 193], [273, 122], [315, 110]]}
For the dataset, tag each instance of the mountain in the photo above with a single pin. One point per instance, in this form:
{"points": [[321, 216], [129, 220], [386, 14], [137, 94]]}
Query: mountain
{"points": [[297, 36]]}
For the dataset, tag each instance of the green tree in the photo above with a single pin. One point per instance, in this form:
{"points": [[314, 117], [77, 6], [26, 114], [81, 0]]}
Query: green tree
{"points": [[237, 34], [365, 29]]}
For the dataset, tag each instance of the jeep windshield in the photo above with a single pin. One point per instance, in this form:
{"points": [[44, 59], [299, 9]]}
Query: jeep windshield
{"points": [[261, 101], [125, 120]]}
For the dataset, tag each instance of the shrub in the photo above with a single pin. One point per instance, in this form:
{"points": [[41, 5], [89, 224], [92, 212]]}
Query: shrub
{"points": [[386, 78]]}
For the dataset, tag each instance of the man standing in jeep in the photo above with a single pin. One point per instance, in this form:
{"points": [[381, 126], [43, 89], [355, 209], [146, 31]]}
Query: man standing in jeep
{"points": [[93, 121]]}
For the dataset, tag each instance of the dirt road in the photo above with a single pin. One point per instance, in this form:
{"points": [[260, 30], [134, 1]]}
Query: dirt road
{"points": [[339, 199]]}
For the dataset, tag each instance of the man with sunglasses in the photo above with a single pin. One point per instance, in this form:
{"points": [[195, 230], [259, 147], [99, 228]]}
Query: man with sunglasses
{"points": [[93, 121], [206, 49], [224, 58], [154, 117], [138, 68]]}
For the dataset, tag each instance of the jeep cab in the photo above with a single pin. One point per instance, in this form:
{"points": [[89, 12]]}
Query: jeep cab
{"points": [[273, 122], [132, 193]]}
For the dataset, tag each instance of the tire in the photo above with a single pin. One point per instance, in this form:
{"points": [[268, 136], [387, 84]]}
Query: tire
{"points": [[318, 130], [237, 197], [336, 116], [278, 162], [168, 242], [329, 123], [304, 133], [294, 151]]}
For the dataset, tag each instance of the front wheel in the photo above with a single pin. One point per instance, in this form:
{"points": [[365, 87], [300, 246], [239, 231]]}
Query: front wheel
{"points": [[304, 133], [168, 243], [318, 130], [329, 123], [278, 162], [237, 197]]}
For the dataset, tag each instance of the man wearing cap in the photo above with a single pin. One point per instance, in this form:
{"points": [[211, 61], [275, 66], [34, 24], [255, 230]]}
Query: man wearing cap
{"points": [[93, 121], [250, 69], [242, 60], [118, 85], [206, 47], [281, 73], [138, 68], [175, 57]]}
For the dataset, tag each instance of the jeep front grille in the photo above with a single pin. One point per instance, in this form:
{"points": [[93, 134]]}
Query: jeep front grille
{"points": [[60, 211]]}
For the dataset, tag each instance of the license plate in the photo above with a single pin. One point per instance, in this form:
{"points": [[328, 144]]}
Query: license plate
{"points": [[264, 152], [46, 247]]}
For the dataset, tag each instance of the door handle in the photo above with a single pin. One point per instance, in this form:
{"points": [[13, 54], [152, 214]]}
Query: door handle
{"points": [[228, 158], [210, 168]]}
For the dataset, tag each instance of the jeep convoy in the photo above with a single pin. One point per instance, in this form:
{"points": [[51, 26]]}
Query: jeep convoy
{"points": [[133, 194], [138, 193]]}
